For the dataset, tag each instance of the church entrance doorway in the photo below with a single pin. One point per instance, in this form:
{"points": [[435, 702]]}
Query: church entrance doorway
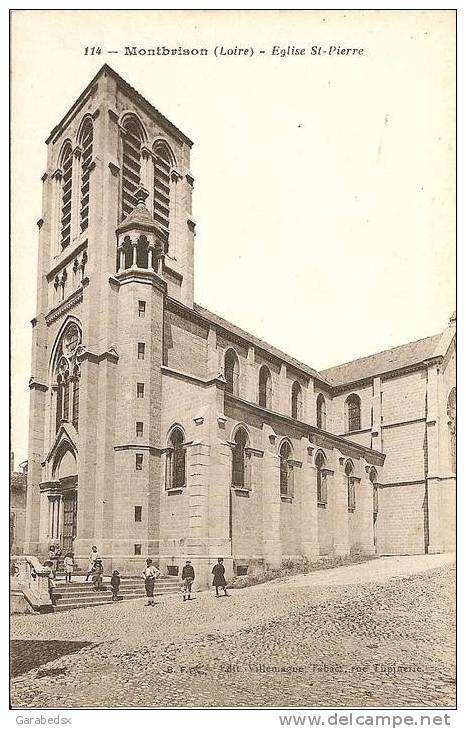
{"points": [[70, 519]]}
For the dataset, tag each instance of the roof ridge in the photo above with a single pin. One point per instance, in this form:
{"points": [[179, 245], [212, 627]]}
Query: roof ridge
{"points": [[382, 351]]}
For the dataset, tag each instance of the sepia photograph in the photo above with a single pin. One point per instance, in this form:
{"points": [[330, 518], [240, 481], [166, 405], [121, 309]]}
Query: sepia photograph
{"points": [[233, 359]]}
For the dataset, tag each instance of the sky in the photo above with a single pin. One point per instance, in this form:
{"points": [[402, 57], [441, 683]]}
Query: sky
{"points": [[324, 184]]}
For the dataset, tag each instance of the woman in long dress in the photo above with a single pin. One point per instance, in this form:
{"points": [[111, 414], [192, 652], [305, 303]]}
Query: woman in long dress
{"points": [[218, 571]]}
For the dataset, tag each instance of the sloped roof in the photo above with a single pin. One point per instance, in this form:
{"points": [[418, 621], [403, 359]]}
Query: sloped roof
{"points": [[130, 90], [405, 355], [139, 217], [214, 318]]}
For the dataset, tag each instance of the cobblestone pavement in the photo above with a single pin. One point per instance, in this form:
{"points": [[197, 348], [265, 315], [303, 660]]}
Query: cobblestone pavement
{"points": [[376, 634]]}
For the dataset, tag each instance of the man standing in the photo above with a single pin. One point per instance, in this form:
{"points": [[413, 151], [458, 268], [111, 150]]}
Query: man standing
{"points": [[218, 571], [188, 577], [150, 572]]}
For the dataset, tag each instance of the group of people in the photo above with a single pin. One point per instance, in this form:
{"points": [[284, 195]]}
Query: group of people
{"points": [[150, 574]]}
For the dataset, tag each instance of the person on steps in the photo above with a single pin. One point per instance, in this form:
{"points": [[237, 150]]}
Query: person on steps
{"points": [[115, 583], [92, 558], [97, 575], [68, 564]]}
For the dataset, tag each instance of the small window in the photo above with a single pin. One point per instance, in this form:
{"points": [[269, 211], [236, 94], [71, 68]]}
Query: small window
{"points": [[141, 309], [141, 350], [139, 429], [231, 369], [353, 413], [175, 476], [239, 476], [172, 570], [321, 412], [265, 387], [351, 486], [139, 461], [375, 491], [296, 401], [286, 471], [321, 480], [241, 570], [140, 389], [138, 513], [137, 548]]}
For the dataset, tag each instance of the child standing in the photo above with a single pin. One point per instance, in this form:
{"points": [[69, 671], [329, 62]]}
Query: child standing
{"points": [[94, 555], [69, 564], [97, 574], [115, 583]]}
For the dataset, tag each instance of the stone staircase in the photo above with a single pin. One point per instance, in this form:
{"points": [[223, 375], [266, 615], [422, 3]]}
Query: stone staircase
{"points": [[80, 594]]}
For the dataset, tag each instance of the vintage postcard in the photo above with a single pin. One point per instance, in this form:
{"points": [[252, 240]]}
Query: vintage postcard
{"points": [[233, 461]]}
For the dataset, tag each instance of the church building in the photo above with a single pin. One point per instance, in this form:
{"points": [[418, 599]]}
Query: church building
{"points": [[159, 429]]}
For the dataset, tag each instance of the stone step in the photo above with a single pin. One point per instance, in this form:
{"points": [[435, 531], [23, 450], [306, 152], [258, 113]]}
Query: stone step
{"points": [[97, 597], [70, 596], [84, 594], [167, 582]]}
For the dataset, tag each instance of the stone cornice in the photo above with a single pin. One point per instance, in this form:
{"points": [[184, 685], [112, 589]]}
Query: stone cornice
{"points": [[67, 259], [217, 380], [316, 436], [35, 385], [139, 275], [110, 355], [88, 92], [152, 449], [65, 306]]}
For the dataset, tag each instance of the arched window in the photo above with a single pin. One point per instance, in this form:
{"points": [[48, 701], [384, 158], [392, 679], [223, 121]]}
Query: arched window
{"points": [[59, 403], [67, 373], [131, 165], [66, 195], [239, 477], [231, 369], [162, 169], [353, 413], [321, 479], [286, 470], [176, 461], [451, 415], [349, 471], [321, 412], [76, 376], [66, 396], [86, 140], [265, 387], [375, 491], [296, 401], [142, 252]]}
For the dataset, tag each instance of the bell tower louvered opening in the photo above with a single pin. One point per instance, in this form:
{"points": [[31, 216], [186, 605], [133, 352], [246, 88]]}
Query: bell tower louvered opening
{"points": [[67, 169], [162, 168], [131, 169], [86, 144]]}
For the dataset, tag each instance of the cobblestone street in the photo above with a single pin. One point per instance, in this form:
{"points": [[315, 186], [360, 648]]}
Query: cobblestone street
{"points": [[379, 633]]}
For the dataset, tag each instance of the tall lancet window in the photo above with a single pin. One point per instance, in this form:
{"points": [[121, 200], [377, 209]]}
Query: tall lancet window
{"points": [[131, 165], [67, 372], [162, 169], [66, 195], [86, 140]]}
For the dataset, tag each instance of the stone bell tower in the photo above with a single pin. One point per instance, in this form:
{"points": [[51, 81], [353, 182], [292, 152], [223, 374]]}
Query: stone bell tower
{"points": [[116, 238]]}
